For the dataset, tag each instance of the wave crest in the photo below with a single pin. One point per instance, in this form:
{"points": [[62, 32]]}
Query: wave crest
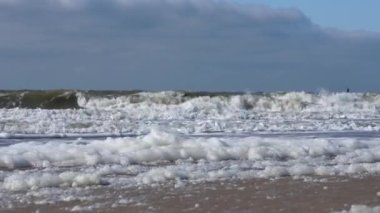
{"points": [[278, 101]]}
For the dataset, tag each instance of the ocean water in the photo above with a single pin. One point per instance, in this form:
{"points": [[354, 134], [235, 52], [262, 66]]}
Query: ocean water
{"points": [[55, 145]]}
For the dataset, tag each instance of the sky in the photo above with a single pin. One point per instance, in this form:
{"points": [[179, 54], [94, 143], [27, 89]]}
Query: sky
{"points": [[199, 45], [342, 14]]}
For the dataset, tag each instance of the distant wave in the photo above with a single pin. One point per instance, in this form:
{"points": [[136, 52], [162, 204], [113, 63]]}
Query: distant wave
{"points": [[39, 99], [276, 101], [69, 99]]}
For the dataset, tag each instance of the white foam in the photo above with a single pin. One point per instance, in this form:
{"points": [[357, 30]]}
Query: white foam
{"points": [[26, 181], [89, 208], [362, 209], [272, 112], [162, 157], [63, 170], [4, 135], [290, 101]]}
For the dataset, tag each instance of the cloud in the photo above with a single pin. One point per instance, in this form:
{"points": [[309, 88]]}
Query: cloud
{"points": [[177, 44]]}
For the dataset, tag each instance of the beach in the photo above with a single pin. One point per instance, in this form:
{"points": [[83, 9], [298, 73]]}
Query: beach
{"points": [[277, 195], [190, 152], [189, 106]]}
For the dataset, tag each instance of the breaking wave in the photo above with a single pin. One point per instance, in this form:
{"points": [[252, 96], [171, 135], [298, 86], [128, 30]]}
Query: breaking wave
{"points": [[278, 101]]}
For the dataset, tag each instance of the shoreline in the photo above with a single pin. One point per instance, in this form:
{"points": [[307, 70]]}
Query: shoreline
{"points": [[312, 194]]}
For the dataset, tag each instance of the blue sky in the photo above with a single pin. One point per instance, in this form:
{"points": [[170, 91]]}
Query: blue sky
{"points": [[343, 14], [207, 45]]}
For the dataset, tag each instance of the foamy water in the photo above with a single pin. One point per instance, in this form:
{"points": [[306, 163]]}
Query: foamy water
{"points": [[178, 139], [245, 113]]}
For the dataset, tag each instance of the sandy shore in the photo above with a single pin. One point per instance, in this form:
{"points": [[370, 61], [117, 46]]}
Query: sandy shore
{"points": [[258, 195]]}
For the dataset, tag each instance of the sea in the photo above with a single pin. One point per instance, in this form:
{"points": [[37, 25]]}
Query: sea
{"points": [[55, 146]]}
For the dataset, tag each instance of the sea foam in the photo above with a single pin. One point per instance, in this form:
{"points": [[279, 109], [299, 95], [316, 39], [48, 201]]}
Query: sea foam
{"points": [[244, 113], [161, 157], [138, 139]]}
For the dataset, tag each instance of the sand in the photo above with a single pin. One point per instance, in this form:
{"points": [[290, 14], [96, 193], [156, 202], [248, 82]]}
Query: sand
{"points": [[257, 195]]}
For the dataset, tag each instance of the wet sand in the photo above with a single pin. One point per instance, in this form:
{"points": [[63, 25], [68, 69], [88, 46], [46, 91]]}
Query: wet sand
{"points": [[257, 195]]}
